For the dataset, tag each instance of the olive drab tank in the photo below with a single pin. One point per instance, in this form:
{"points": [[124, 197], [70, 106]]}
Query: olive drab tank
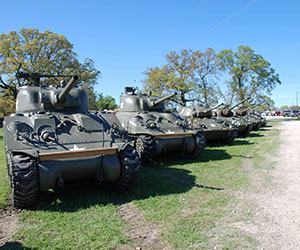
{"points": [[214, 130], [53, 138], [256, 120], [154, 129], [249, 115], [227, 116]]}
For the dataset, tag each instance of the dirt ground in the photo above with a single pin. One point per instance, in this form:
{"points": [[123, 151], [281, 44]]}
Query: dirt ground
{"points": [[8, 225], [275, 220], [278, 213], [144, 234]]}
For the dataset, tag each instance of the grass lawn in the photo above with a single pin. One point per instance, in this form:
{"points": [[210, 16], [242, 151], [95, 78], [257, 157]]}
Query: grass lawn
{"points": [[4, 184], [186, 200]]}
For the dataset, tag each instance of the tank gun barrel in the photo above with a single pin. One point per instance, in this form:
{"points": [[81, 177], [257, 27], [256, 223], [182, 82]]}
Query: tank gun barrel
{"points": [[219, 105], [239, 103], [62, 95], [160, 100]]}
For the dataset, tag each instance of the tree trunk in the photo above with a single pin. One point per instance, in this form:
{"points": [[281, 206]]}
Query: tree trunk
{"points": [[182, 98], [241, 90]]}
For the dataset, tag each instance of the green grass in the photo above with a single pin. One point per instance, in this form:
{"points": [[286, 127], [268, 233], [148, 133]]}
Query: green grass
{"points": [[4, 184], [187, 200]]}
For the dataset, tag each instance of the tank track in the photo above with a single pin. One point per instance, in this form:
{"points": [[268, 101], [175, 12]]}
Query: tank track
{"points": [[130, 164], [200, 144], [146, 147], [24, 180], [246, 132], [229, 140]]}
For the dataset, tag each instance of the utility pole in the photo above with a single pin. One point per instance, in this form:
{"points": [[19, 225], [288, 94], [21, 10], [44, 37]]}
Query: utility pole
{"points": [[297, 98]]}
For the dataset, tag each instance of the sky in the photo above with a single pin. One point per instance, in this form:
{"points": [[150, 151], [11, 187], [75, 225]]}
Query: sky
{"points": [[124, 38]]}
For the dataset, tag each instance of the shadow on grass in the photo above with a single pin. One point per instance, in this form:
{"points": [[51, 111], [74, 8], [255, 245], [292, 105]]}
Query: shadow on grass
{"points": [[1, 136], [267, 126], [14, 245], [208, 154], [265, 129], [240, 142], [152, 182], [254, 134]]}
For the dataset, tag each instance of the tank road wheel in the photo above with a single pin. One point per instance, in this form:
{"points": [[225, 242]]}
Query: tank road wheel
{"points": [[145, 145], [200, 144], [24, 180], [229, 140], [130, 164]]}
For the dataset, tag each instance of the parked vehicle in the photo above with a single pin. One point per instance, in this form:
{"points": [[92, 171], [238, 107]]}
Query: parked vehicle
{"points": [[227, 116], [155, 129], [53, 138], [214, 130]]}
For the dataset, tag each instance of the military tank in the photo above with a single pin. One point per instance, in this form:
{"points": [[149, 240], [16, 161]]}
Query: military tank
{"points": [[255, 118], [155, 129], [53, 138], [250, 116], [214, 129], [227, 116]]}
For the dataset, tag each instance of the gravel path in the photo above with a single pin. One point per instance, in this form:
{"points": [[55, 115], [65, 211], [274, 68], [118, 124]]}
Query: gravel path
{"points": [[277, 214]]}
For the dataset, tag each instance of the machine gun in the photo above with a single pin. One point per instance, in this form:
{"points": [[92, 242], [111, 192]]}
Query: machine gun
{"points": [[161, 100]]}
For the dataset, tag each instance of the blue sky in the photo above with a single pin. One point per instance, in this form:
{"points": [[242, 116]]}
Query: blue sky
{"points": [[126, 37]]}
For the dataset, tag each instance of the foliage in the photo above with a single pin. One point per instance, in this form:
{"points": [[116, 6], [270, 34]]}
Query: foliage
{"points": [[106, 102], [251, 74], [265, 103], [42, 52], [7, 106], [190, 73], [207, 68]]}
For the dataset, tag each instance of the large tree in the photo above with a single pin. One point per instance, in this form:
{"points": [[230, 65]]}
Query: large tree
{"points": [[251, 74], [190, 73], [42, 52]]}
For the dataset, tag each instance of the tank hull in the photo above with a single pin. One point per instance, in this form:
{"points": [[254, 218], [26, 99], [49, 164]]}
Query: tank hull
{"points": [[82, 146], [166, 136]]}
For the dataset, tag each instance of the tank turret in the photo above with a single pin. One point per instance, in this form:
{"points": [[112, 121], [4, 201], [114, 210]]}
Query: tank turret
{"points": [[66, 98], [244, 111], [131, 101], [227, 112]]}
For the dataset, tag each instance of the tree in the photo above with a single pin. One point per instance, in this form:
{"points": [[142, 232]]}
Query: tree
{"points": [[251, 74], [106, 102], [176, 75], [190, 73], [207, 67], [42, 52]]}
